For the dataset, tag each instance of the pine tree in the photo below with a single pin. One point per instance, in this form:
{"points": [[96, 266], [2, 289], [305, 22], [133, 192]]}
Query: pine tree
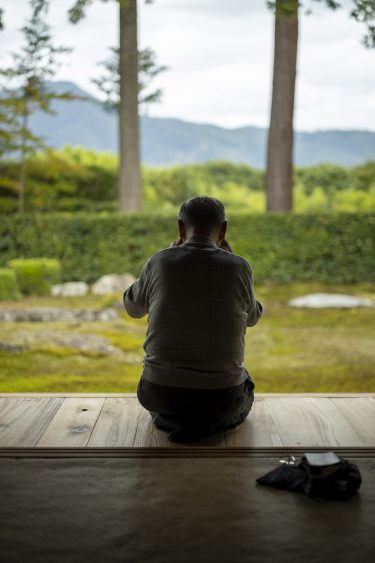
{"points": [[130, 184], [26, 90], [109, 82]]}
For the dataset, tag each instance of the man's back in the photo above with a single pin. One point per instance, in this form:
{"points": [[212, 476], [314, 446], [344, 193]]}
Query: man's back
{"points": [[199, 299]]}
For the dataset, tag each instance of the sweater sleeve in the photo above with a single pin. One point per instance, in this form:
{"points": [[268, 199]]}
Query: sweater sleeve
{"points": [[255, 308], [135, 298]]}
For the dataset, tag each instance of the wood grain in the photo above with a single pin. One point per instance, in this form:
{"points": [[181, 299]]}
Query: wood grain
{"points": [[73, 423], [149, 436], [260, 395], [117, 423], [301, 422], [24, 421], [258, 429], [360, 415]]}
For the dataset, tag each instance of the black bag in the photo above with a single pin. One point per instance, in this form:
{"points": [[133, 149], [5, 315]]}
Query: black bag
{"points": [[323, 475]]}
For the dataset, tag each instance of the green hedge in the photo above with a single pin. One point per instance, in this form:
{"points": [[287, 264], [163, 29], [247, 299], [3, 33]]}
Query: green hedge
{"points": [[280, 248], [8, 284], [36, 275]]}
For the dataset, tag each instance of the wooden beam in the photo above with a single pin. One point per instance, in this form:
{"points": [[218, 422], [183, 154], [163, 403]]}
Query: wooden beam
{"points": [[188, 452], [260, 395]]}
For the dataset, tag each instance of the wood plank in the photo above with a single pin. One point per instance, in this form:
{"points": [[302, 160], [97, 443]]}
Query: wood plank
{"points": [[300, 422], [7, 403], [360, 415], [24, 421], [117, 423], [148, 436], [260, 395], [73, 423], [258, 429], [63, 394], [339, 426]]}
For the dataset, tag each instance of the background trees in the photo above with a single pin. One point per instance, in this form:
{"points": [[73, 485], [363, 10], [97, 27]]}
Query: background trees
{"points": [[109, 82], [25, 90], [279, 185], [130, 189], [126, 85]]}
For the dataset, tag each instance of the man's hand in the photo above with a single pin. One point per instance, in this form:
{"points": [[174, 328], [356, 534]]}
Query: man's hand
{"points": [[224, 244], [176, 243]]}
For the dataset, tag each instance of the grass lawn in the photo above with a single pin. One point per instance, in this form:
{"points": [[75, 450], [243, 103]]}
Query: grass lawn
{"points": [[290, 350]]}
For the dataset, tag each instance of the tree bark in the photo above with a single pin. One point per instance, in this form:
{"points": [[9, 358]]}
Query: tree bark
{"points": [[130, 175], [279, 173]]}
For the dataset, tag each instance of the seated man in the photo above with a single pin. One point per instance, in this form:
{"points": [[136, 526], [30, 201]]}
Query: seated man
{"points": [[199, 298]]}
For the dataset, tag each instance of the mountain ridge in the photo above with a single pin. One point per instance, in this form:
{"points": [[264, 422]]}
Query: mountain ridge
{"points": [[168, 141]]}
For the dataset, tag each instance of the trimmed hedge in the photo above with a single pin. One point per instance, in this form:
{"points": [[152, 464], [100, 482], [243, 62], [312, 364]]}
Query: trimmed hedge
{"points": [[280, 247], [8, 285], [36, 275]]}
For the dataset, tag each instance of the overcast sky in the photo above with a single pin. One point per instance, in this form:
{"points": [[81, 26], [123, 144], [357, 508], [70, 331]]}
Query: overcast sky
{"points": [[219, 54]]}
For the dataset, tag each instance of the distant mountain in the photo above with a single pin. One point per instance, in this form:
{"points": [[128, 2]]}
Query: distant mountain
{"points": [[173, 141]]}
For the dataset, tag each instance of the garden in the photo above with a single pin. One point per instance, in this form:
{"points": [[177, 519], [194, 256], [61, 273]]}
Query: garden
{"points": [[83, 340]]}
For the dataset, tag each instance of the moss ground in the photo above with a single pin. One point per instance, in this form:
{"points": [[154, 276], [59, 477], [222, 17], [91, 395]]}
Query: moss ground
{"points": [[290, 350]]}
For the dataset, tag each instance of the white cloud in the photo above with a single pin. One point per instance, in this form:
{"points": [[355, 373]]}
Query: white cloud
{"points": [[219, 54]]}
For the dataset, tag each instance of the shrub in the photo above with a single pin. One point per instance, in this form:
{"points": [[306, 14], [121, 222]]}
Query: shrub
{"points": [[36, 275], [336, 248], [77, 179], [8, 285], [8, 205]]}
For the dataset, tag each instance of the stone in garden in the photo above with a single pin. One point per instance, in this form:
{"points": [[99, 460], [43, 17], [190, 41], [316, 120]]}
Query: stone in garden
{"points": [[10, 347], [41, 314], [127, 280], [56, 290], [84, 343], [81, 342], [112, 283], [330, 300], [70, 289]]}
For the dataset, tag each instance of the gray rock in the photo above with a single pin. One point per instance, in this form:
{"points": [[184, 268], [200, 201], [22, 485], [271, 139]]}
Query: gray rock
{"points": [[10, 347], [330, 300], [84, 343], [127, 280], [56, 290], [112, 283], [70, 289], [45, 314]]}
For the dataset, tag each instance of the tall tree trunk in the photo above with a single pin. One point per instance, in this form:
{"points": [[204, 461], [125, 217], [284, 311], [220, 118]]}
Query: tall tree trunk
{"points": [[22, 177], [279, 174], [130, 176]]}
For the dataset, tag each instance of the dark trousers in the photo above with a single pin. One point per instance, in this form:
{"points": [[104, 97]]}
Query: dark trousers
{"points": [[199, 410]]}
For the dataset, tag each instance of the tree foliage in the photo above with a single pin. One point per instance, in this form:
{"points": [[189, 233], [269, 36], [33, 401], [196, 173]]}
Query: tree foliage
{"points": [[25, 89], [362, 11], [109, 82], [74, 179]]}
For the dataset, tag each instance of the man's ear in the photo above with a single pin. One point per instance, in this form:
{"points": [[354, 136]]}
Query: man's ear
{"points": [[223, 230], [182, 230]]}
